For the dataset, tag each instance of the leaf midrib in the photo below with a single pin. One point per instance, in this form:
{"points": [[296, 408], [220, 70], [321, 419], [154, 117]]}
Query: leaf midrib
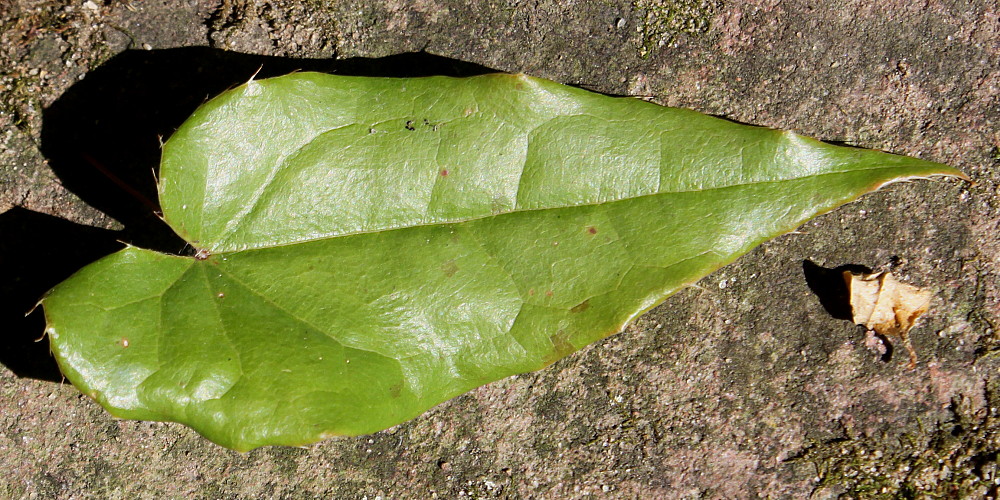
{"points": [[580, 205]]}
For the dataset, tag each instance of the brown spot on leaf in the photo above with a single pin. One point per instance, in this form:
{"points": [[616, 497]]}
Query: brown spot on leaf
{"points": [[582, 306], [449, 268], [498, 205], [396, 389], [592, 230], [444, 172], [531, 292], [548, 293], [560, 346]]}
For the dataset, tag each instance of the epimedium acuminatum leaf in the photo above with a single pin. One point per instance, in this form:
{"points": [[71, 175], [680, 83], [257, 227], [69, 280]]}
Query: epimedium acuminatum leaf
{"points": [[371, 247]]}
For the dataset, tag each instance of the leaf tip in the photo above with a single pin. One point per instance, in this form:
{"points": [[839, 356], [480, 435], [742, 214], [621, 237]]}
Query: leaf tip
{"points": [[944, 171]]}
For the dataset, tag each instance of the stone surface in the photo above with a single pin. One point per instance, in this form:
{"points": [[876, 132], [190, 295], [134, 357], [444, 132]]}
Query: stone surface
{"points": [[743, 386]]}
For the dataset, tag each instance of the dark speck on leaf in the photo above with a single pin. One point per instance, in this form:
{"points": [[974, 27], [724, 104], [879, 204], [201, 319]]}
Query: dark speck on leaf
{"points": [[395, 390], [409, 125]]}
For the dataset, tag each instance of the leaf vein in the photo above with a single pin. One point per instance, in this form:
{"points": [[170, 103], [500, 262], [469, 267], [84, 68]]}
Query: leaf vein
{"points": [[581, 205]]}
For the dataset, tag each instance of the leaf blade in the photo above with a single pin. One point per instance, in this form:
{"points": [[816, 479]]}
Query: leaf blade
{"points": [[287, 334]]}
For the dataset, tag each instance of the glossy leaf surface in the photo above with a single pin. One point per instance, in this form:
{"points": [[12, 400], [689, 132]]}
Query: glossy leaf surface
{"points": [[371, 247]]}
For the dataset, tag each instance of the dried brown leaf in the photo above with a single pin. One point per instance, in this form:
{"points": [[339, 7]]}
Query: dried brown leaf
{"points": [[886, 305]]}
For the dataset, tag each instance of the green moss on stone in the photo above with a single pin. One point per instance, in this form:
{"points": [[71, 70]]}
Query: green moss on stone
{"points": [[665, 20]]}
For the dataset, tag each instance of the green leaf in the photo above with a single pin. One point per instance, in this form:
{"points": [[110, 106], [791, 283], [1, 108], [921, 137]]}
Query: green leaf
{"points": [[371, 247]]}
